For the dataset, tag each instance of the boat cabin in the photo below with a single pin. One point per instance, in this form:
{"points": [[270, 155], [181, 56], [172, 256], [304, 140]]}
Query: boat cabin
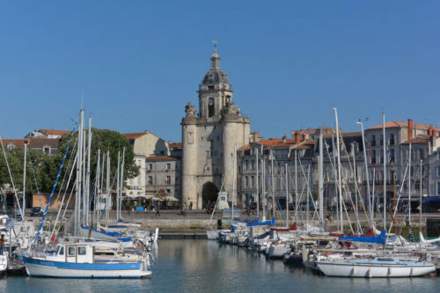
{"points": [[74, 253]]}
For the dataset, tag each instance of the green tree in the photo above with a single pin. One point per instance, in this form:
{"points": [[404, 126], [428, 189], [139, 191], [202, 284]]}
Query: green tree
{"points": [[104, 140], [42, 168]]}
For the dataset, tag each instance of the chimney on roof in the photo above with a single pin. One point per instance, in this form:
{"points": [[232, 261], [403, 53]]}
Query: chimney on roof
{"points": [[296, 137], [410, 130], [255, 136], [430, 132]]}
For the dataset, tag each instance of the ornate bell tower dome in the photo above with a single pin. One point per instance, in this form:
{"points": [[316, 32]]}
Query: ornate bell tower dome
{"points": [[215, 91]]}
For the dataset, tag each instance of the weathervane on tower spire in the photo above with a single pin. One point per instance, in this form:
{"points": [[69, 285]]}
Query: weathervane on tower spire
{"points": [[215, 46], [215, 57]]}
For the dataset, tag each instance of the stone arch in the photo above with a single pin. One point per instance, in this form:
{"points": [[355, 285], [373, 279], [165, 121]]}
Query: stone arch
{"points": [[209, 194]]}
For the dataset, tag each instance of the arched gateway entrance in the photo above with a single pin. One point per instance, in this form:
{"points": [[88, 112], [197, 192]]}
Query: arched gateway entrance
{"points": [[209, 195]]}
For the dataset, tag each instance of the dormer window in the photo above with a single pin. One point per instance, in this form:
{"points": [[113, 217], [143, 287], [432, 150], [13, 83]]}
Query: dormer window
{"points": [[211, 107]]}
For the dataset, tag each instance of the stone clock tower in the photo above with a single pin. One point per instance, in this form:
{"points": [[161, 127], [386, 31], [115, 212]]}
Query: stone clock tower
{"points": [[210, 138]]}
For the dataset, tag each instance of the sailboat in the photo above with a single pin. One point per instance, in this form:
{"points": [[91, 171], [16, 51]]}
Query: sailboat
{"points": [[80, 260], [76, 257], [378, 267]]}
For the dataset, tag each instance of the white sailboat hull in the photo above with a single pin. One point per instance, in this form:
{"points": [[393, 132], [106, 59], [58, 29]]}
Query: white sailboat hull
{"points": [[334, 269]]}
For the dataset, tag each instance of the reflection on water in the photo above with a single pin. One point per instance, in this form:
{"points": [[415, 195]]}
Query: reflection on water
{"points": [[204, 266]]}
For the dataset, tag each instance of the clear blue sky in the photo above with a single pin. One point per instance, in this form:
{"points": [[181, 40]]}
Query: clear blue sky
{"points": [[138, 63]]}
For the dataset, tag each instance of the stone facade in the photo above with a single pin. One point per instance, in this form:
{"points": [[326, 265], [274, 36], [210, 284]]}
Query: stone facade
{"points": [[210, 139], [145, 144], [301, 153], [162, 178], [434, 173]]}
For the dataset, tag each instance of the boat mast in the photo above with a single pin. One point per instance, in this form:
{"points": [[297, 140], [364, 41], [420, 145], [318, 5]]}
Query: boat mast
{"points": [[24, 180], [89, 151], [373, 194], [296, 184], [97, 186], [421, 194], [263, 186], [107, 188], [321, 179], [118, 178], [287, 196], [409, 182], [84, 179], [78, 176], [307, 197], [339, 170], [367, 175], [101, 186], [384, 140], [356, 193], [121, 183], [272, 181], [258, 183], [233, 195]]}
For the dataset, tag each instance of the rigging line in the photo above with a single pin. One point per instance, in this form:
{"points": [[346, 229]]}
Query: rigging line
{"points": [[334, 173], [303, 191], [49, 200], [34, 177], [67, 205], [12, 179], [351, 168], [70, 164], [358, 224], [72, 168], [398, 198], [348, 218], [358, 195], [307, 183]]}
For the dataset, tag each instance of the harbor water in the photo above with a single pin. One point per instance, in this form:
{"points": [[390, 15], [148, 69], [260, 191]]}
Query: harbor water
{"points": [[206, 266]]}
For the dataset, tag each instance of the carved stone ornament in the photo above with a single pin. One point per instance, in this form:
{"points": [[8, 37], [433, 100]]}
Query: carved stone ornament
{"points": [[190, 110]]}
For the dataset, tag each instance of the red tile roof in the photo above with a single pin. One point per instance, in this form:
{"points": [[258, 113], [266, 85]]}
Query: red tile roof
{"points": [[33, 142], [280, 143], [175, 145], [17, 142], [401, 124], [54, 131], [161, 158]]}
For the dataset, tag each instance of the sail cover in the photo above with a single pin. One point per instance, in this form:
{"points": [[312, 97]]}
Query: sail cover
{"points": [[378, 239]]}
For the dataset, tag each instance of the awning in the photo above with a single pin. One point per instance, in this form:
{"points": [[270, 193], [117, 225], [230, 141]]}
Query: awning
{"points": [[170, 198], [136, 196]]}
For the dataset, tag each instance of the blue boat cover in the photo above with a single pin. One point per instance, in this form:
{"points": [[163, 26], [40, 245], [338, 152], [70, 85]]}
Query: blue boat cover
{"points": [[378, 239], [258, 222]]}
